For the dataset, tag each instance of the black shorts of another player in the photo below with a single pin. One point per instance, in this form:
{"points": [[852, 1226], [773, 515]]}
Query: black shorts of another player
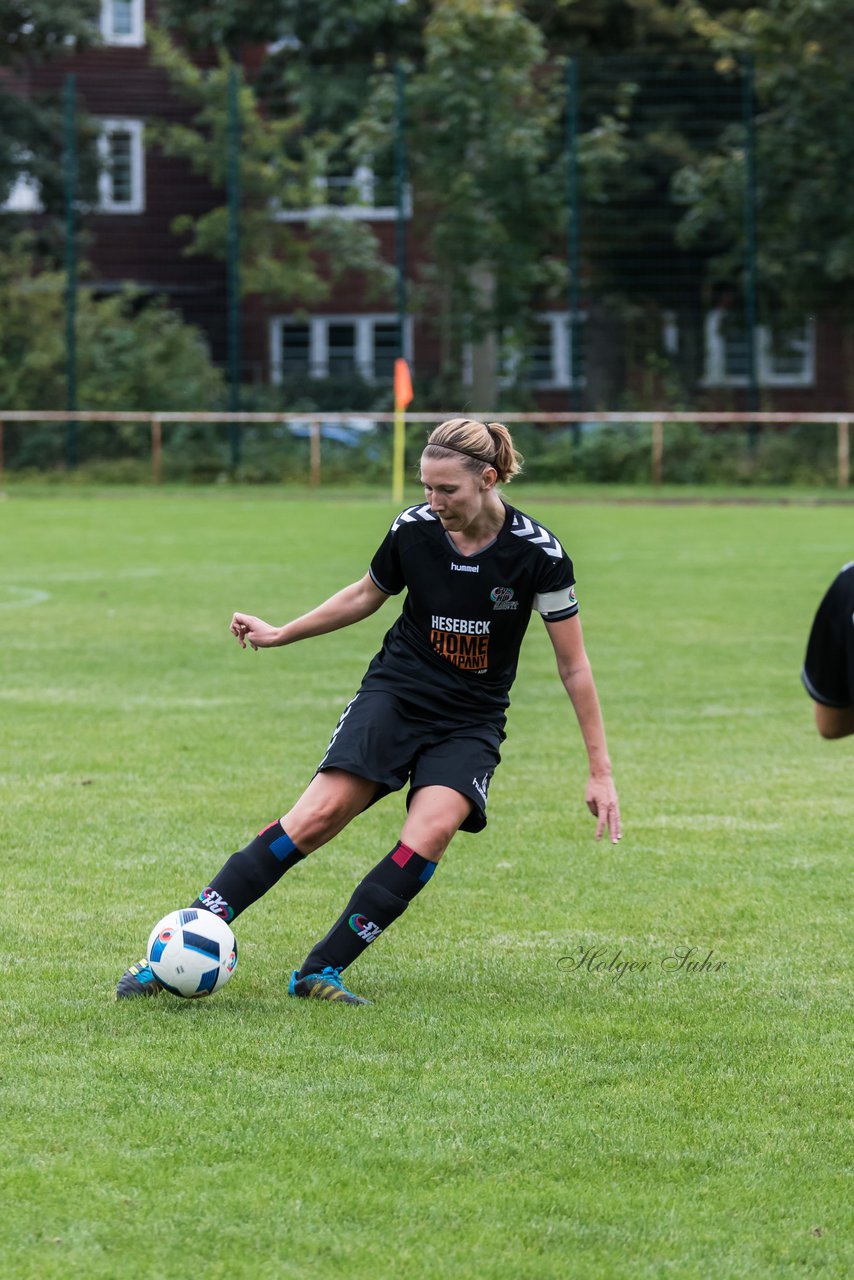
{"points": [[382, 737]]}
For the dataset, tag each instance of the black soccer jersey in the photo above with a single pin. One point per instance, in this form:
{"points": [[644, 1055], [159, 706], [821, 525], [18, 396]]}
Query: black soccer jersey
{"points": [[455, 647], [828, 672]]}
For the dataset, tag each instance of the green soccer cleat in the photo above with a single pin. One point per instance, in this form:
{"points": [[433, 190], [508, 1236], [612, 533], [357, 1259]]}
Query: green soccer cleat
{"points": [[138, 980], [326, 985]]}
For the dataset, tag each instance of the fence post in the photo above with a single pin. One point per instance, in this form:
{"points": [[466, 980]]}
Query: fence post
{"points": [[233, 261], [1, 449], [70, 181], [400, 159], [749, 214], [843, 455], [657, 451], [156, 449], [314, 454], [573, 241]]}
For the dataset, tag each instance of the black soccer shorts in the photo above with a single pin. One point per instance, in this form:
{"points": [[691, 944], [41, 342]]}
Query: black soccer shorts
{"points": [[382, 737]]}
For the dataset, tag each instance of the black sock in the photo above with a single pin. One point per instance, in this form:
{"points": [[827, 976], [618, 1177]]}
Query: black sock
{"points": [[382, 896], [248, 875]]}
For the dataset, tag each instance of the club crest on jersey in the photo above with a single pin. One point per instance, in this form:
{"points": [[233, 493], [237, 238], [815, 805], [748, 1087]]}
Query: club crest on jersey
{"points": [[502, 598]]}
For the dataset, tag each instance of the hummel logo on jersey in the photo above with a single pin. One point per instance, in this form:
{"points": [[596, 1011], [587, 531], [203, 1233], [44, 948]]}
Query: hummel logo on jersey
{"points": [[412, 514], [465, 568], [524, 527]]}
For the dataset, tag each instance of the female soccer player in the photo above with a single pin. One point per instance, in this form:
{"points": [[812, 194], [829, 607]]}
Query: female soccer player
{"points": [[430, 711]]}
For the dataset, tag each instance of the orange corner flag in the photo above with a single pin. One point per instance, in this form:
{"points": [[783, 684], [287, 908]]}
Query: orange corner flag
{"points": [[402, 384]]}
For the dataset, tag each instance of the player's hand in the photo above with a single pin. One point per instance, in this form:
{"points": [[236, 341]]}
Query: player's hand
{"points": [[602, 802], [246, 628]]}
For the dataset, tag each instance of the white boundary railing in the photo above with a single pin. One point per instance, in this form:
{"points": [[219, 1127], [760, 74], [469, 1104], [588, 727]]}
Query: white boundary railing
{"points": [[658, 421]]}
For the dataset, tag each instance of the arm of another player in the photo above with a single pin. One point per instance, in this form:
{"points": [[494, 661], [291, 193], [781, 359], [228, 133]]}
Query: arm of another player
{"points": [[828, 670], [834, 722], [577, 678], [347, 606]]}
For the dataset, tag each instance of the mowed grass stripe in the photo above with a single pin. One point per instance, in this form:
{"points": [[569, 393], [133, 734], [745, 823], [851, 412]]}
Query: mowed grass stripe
{"points": [[496, 1112]]}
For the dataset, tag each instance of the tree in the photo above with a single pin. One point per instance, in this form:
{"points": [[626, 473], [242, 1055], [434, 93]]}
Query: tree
{"points": [[32, 129], [662, 171], [133, 352], [485, 110], [804, 148], [32, 30], [279, 169]]}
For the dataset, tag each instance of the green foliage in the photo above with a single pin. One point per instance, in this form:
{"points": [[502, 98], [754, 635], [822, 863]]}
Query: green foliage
{"points": [[33, 127], [33, 30], [348, 31], [484, 111], [278, 170], [272, 453], [805, 152], [133, 353]]}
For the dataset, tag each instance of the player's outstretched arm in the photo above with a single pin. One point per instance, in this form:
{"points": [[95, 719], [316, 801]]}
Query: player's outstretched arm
{"points": [[347, 606], [834, 722], [577, 678]]}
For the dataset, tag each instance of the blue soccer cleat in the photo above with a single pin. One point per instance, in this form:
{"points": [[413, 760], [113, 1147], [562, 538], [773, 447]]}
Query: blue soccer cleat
{"points": [[326, 985], [138, 980]]}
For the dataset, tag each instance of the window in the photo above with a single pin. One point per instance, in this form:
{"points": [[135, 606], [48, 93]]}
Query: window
{"points": [[368, 191], [544, 362], [121, 182], [782, 359], [25, 192], [335, 346], [123, 21]]}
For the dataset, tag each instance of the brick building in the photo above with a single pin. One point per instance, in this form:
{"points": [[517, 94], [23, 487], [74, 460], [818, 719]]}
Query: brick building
{"points": [[141, 191]]}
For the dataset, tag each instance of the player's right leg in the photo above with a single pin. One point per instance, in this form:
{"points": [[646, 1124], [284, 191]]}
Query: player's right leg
{"points": [[330, 801]]}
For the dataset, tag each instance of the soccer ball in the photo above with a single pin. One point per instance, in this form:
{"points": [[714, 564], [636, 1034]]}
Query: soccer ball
{"points": [[192, 952]]}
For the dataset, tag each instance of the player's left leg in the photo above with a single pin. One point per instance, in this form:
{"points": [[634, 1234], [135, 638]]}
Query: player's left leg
{"points": [[330, 801], [435, 815]]}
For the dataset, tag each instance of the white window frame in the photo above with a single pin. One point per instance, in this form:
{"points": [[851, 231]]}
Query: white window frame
{"points": [[106, 203], [25, 192], [362, 209], [558, 322], [135, 38], [318, 342], [715, 372]]}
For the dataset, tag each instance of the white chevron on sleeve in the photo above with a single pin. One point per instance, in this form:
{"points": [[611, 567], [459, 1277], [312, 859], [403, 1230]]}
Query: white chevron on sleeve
{"points": [[411, 514], [534, 533]]}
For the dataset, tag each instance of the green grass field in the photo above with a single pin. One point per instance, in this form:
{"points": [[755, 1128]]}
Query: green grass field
{"points": [[495, 1113]]}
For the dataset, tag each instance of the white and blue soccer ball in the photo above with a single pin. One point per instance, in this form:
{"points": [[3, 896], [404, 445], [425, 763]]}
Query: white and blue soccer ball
{"points": [[192, 953]]}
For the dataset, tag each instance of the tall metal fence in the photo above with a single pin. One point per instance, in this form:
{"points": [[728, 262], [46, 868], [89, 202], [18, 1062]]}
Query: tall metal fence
{"points": [[623, 325]]}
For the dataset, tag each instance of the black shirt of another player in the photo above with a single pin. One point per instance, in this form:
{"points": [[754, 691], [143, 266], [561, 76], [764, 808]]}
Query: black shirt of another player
{"points": [[455, 647], [828, 672]]}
